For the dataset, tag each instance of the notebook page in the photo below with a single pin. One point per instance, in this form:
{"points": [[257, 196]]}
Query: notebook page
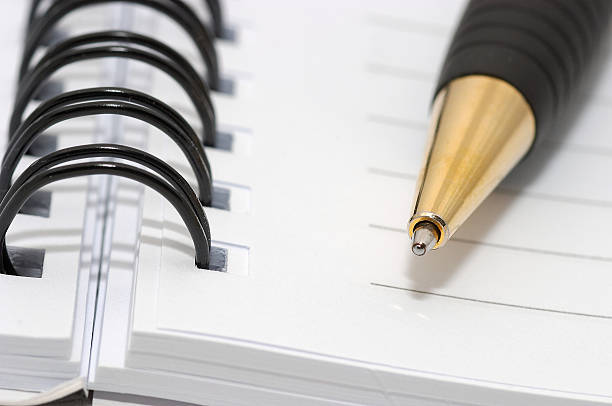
{"points": [[44, 332], [332, 305]]}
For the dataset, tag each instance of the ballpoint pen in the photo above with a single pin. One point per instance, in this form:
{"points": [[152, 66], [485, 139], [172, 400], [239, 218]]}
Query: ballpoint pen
{"points": [[510, 72]]}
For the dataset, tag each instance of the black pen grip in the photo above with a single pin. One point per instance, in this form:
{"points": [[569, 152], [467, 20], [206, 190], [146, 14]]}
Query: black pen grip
{"points": [[541, 47]]}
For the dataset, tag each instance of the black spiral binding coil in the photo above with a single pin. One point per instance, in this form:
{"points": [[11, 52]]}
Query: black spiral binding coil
{"points": [[175, 9], [118, 44], [59, 165]]}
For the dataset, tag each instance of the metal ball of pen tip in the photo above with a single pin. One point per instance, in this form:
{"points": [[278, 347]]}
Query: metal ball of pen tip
{"points": [[424, 239]]}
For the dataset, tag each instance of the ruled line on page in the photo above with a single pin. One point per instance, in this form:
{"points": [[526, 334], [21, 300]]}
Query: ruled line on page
{"points": [[408, 73], [503, 190], [504, 246], [491, 302], [550, 144], [402, 24], [582, 149], [397, 122], [391, 174], [406, 25], [400, 72]]}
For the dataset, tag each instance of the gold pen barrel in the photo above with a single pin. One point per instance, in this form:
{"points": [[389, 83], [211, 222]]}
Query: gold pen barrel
{"points": [[481, 128]]}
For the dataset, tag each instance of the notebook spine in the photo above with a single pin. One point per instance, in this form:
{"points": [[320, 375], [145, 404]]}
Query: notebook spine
{"points": [[25, 131]]}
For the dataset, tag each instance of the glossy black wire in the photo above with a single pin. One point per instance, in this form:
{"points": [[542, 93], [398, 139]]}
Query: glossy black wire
{"points": [[216, 13], [35, 78], [214, 7], [175, 9], [135, 155], [32, 15], [182, 134], [24, 138], [120, 37], [116, 94], [45, 177]]}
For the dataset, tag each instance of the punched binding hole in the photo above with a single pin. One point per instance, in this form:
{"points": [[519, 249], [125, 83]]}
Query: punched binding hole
{"points": [[27, 262], [229, 34], [38, 205], [53, 37], [48, 90], [227, 86], [218, 259], [221, 198], [45, 144], [224, 141]]}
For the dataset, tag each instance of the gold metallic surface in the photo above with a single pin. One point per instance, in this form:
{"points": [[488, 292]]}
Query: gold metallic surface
{"points": [[437, 221], [481, 128]]}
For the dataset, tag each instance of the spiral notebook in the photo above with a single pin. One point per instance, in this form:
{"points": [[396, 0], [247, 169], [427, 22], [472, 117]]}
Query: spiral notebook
{"points": [[311, 296]]}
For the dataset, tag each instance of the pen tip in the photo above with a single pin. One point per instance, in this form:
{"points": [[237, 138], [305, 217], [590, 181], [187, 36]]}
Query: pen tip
{"points": [[425, 237], [419, 249]]}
